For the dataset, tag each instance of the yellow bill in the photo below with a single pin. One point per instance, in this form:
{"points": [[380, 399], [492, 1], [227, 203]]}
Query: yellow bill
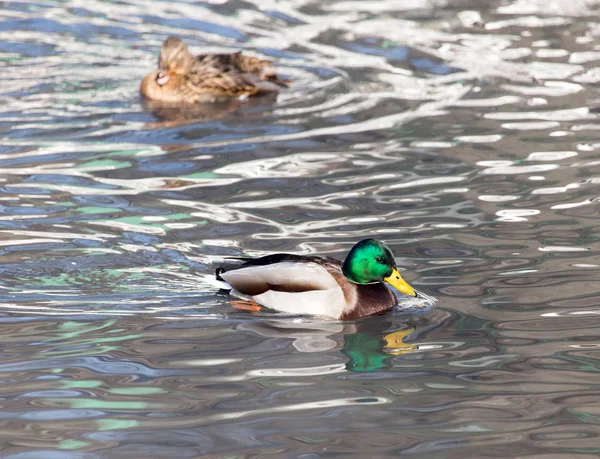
{"points": [[396, 281]]}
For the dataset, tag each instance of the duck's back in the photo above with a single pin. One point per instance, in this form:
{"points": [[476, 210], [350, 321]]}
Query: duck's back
{"points": [[234, 61], [233, 74]]}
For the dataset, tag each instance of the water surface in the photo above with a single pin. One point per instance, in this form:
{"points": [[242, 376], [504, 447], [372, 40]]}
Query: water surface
{"points": [[462, 133]]}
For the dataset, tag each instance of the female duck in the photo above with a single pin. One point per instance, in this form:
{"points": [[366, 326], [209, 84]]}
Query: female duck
{"points": [[324, 286], [183, 78]]}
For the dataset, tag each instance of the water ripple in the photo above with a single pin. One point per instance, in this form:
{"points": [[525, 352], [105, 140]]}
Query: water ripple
{"points": [[461, 134]]}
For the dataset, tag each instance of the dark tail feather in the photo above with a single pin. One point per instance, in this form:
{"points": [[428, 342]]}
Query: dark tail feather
{"points": [[218, 273], [220, 270], [272, 77]]}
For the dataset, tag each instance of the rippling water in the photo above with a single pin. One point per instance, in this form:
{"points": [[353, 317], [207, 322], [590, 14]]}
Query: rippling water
{"points": [[463, 133]]}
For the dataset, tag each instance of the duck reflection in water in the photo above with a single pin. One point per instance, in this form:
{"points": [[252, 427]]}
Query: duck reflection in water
{"points": [[369, 345], [372, 351], [169, 115]]}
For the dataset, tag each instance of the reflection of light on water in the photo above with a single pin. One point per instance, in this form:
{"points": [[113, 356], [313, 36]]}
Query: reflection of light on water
{"points": [[560, 134], [571, 205], [331, 403], [298, 372], [449, 225], [206, 362], [529, 22], [435, 347], [550, 88], [61, 312], [558, 248], [495, 163], [563, 9], [571, 114], [510, 170], [557, 189], [515, 215], [305, 164], [430, 144], [550, 155], [571, 313], [521, 271], [422, 182], [390, 121], [131, 227], [479, 138], [486, 361], [531, 125], [24, 241], [497, 198]]}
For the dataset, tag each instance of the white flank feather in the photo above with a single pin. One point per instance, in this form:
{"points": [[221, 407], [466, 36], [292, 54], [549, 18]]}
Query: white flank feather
{"points": [[328, 303], [213, 282]]}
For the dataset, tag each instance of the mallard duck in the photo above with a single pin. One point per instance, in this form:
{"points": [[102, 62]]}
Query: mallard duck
{"points": [[316, 285], [183, 78]]}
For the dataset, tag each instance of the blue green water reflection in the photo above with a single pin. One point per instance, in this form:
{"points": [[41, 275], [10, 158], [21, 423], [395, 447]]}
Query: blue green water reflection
{"points": [[464, 134]]}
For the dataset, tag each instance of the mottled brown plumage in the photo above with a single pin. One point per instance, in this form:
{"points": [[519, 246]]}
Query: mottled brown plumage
{"points": [[182, 78]]}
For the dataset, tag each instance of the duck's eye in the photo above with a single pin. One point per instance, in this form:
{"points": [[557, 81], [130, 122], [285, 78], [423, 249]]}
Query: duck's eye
{"points": [[380, 260], [162, 78]]}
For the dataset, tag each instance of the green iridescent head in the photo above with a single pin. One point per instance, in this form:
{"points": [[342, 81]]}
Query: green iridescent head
{"points": [[371, 261]]}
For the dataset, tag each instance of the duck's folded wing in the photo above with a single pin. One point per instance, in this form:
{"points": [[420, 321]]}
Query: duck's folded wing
{"points": [[214, 74], [292, 277], [230, 83], [260, 71], [233, 74], [250, 64], [292, 287]]}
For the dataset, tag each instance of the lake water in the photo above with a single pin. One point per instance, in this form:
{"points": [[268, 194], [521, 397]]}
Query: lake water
{"points": [[465, 134]]}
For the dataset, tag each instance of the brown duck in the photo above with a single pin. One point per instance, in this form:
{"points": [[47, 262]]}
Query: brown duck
{"points": [[183, 78]]}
